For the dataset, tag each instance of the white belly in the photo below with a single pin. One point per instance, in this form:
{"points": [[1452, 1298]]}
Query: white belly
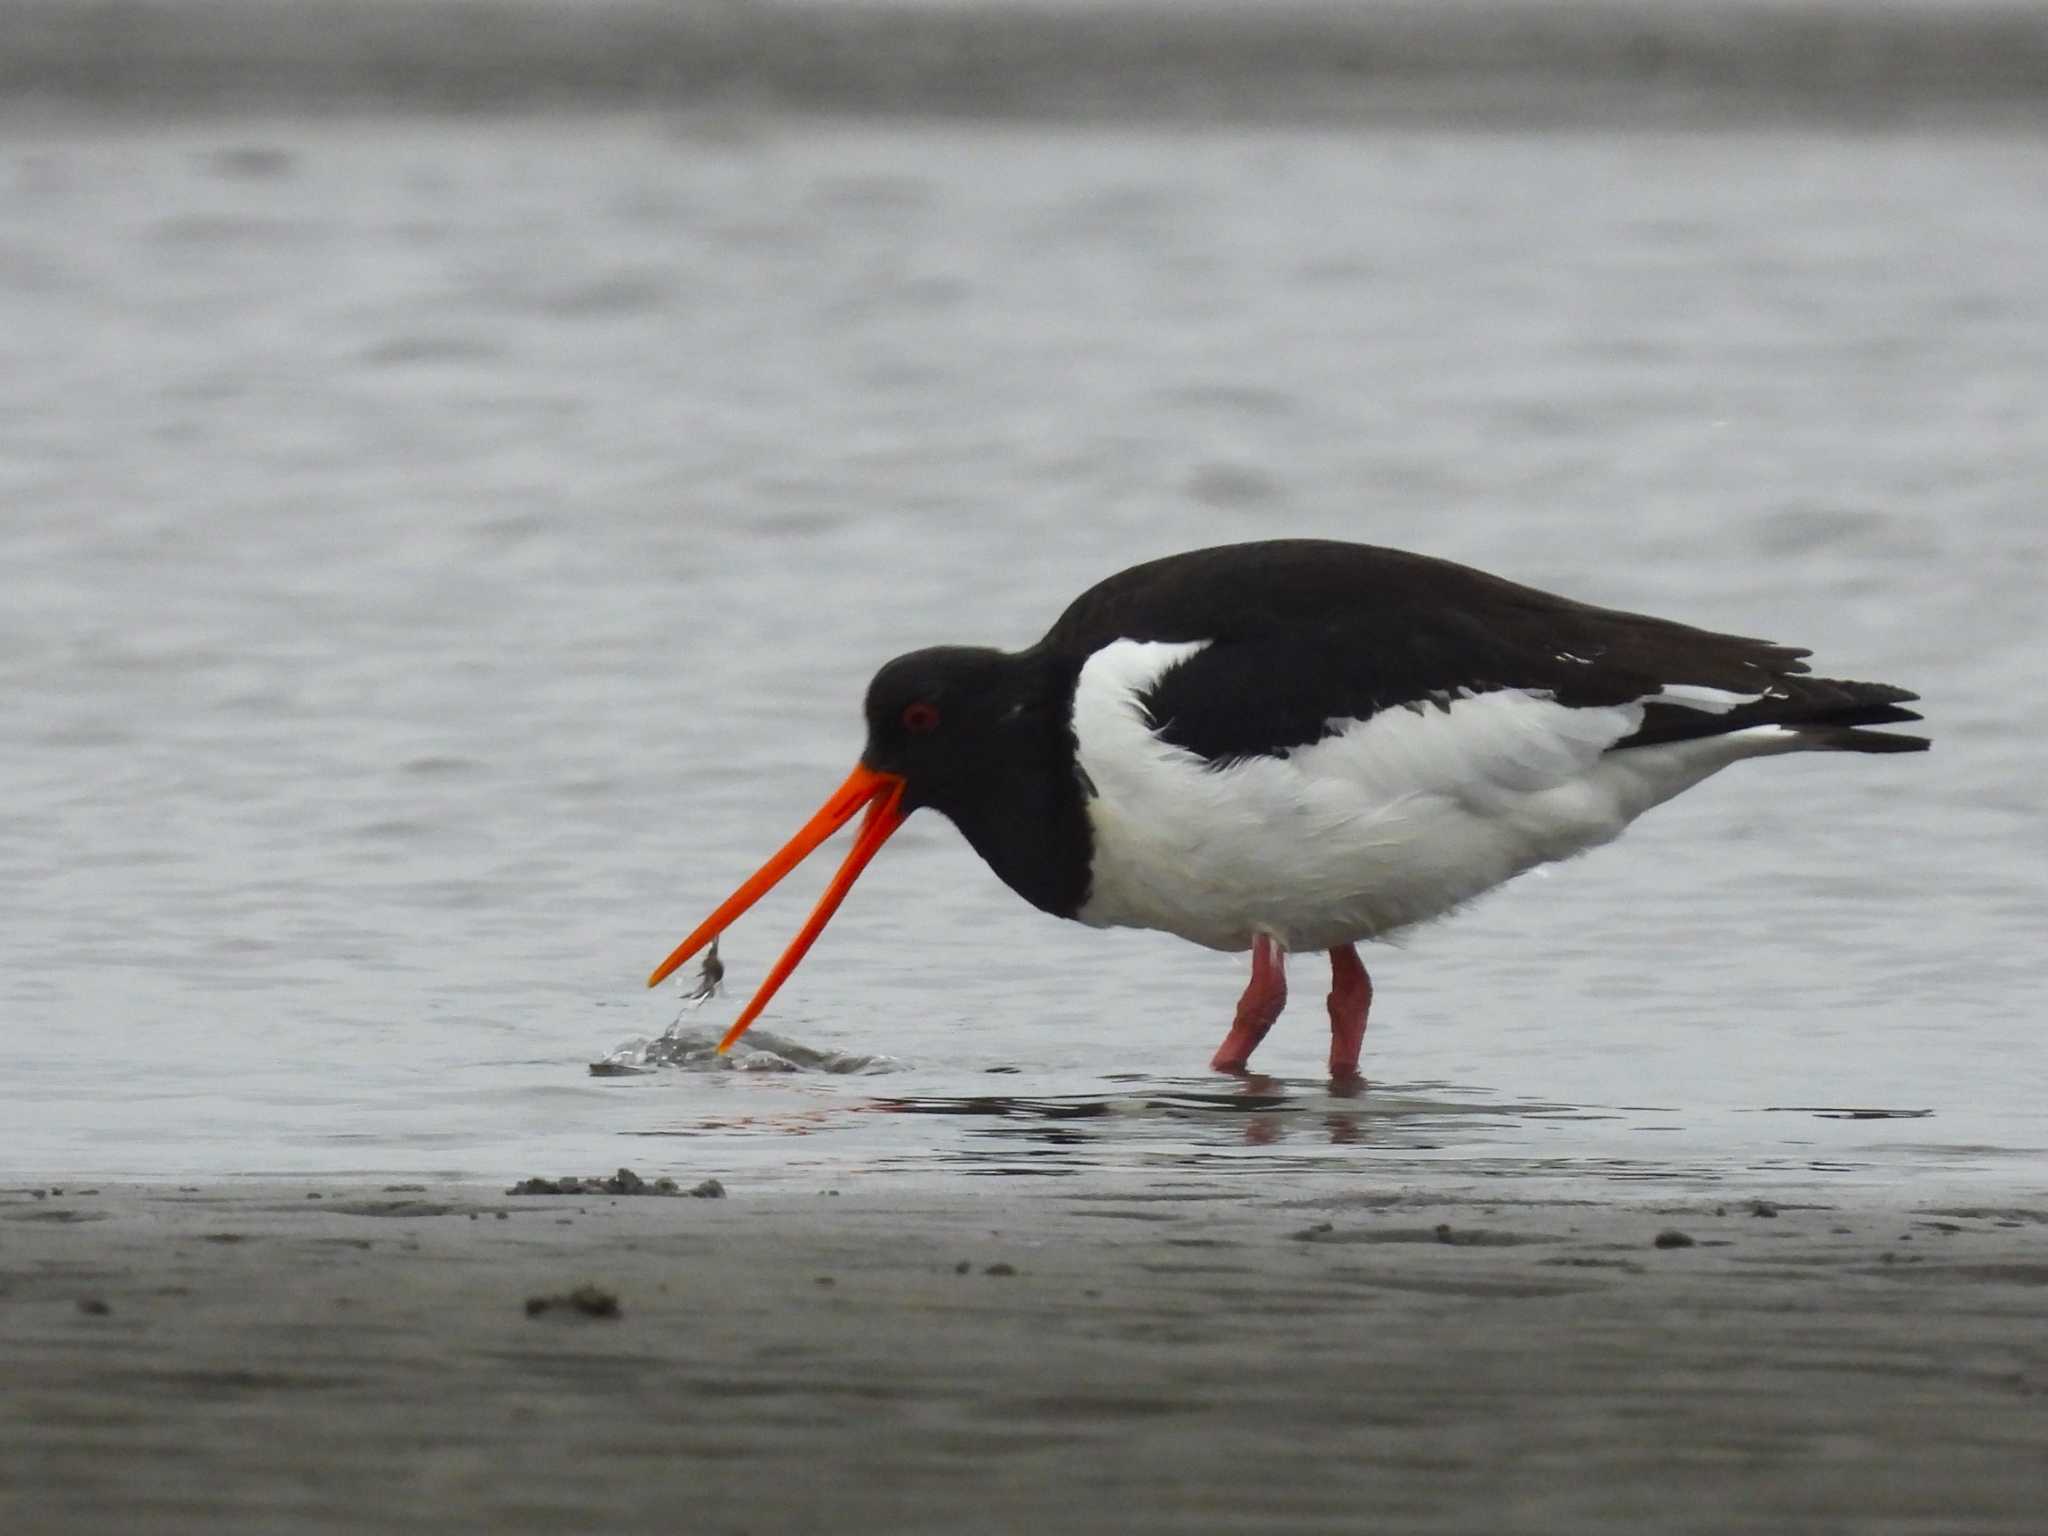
{"points": [[1384, 823]]}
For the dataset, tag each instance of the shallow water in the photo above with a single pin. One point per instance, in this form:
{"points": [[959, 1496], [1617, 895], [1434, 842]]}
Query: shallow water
{"points": [[443, 558]]}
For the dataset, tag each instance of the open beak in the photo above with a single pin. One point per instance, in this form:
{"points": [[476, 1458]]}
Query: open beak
{"points": [[882, 794]]}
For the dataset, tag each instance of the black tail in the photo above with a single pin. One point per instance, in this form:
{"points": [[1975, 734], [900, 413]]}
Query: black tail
{"points": [[1829, 711]]}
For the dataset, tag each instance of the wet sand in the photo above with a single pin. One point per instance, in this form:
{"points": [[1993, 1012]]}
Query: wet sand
{"points": [[1862, 62], [1022, 1356]]}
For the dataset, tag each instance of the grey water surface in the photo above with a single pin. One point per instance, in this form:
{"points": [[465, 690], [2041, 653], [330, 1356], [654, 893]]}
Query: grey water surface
{"points": [[440, 558]]}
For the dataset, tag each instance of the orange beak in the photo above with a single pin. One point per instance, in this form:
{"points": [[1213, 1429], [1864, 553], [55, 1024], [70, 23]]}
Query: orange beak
{"points": [[882, 794]]}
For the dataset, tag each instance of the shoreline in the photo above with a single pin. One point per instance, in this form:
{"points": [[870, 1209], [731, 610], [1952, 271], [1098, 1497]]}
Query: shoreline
{"points": [[1507, 62], [1170, 1355]]}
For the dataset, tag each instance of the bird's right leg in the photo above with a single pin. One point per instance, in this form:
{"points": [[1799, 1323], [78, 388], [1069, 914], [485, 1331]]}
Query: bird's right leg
{"points": [[1350, 1001], [1263, 999]]}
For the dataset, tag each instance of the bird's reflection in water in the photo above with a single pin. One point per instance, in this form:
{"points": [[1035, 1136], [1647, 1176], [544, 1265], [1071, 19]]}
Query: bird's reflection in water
{"points": [[1260, 1111], [1265, 1130]]}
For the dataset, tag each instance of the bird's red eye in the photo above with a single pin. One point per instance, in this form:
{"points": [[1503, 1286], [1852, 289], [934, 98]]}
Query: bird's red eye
{"points": [[920, 719]]}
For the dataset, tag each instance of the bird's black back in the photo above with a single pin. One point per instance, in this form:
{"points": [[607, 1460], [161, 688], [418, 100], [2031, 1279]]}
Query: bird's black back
{"points": [[1306, 631]]}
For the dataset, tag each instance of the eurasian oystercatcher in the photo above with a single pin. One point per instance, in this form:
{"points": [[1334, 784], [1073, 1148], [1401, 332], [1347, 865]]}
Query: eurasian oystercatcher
{"points": [[1301, 744]]}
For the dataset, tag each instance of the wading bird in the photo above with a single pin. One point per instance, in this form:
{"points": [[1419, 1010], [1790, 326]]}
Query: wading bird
{"points": [[1301, 744]]}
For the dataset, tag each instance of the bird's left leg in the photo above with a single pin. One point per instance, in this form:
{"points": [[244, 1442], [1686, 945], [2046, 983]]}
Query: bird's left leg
{"points": [[1350, 1000], [1257, 1009]]}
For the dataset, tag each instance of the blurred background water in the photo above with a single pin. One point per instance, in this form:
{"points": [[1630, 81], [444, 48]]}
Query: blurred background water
{"points": [[443, 554]]}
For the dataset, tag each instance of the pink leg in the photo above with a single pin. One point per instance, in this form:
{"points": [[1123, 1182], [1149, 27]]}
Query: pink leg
{"points": [[1257, 1009], [1350, 999]]}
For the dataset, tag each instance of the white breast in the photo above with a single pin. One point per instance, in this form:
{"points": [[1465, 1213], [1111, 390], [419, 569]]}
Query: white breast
{"points": [[1384, 823]]}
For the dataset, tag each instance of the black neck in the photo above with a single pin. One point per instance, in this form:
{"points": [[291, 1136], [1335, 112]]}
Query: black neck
{"points": [[1025, 813]]}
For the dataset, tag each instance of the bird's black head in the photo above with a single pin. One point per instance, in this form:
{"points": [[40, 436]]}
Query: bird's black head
{"points": [[945, 720], [978, 735]]}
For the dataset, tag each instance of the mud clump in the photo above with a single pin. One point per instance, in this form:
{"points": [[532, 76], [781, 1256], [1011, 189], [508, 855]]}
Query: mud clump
{"points": [[624, 1182], [586, 1300]]}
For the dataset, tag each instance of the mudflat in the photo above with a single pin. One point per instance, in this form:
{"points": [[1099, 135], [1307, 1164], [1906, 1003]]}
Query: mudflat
{"points": [[1018, 1356]]}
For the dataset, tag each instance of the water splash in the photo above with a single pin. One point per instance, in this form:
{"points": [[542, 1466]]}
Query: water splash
{"points": [[761, 1050]]}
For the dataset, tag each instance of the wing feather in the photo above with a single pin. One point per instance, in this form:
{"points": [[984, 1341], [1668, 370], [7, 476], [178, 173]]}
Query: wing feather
{"points": [[1305, 634]]}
